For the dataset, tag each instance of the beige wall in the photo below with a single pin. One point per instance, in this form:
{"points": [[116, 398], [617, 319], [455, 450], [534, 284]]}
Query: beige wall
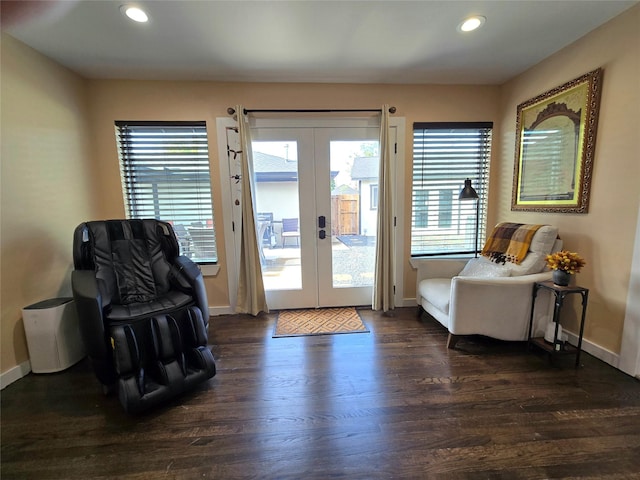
{"points": [[145, 100], [45, 185], [605, 236]]}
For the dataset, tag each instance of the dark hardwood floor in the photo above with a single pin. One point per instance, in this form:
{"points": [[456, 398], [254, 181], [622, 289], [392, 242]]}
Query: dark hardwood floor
{"points": [[393, 403]]}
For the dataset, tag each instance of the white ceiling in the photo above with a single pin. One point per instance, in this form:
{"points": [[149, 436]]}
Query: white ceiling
{"points": [[305, 41]]}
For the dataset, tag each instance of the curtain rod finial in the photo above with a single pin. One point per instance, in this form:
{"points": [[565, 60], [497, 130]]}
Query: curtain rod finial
{"points": [[392, 109], [231, 111]]}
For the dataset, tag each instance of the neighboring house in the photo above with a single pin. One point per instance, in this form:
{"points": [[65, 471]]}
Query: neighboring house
{"points": [[276, 188], [365, 173], [441, 210]]}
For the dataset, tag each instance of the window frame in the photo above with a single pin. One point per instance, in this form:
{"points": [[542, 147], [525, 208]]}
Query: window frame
{"points": [[373, 196], [439, 170], [179, 180]]}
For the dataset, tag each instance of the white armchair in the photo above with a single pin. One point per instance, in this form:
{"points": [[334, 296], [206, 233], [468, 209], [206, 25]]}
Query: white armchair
{"points": [[479, 297]]}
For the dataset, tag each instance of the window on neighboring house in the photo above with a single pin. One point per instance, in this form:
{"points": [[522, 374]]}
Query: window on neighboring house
{"points": [[444, 155], [165, 175], [445, 202], [420, 202], [374, 197]]}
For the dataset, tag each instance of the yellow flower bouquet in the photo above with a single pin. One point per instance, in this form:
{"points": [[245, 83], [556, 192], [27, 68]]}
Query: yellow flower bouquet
{"points": [[566, 261]]}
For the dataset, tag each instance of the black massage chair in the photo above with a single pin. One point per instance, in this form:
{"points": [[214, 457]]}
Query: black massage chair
{"points": [[143, 310]]}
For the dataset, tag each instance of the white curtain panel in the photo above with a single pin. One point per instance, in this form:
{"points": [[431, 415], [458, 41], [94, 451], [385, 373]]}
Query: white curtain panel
{"points": [[251, 296], [383, 295]]}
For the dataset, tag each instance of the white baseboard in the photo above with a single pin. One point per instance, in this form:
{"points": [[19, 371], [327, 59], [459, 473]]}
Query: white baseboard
{"points": [[14, 374], [216, 311], [408, 302], [597, 351]]}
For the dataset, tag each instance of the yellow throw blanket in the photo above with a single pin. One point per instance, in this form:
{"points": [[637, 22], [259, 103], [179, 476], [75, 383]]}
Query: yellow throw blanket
{"points": [[509, 242]]}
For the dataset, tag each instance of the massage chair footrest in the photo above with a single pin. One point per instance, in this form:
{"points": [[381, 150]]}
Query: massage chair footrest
{"points": [[160, 357]]}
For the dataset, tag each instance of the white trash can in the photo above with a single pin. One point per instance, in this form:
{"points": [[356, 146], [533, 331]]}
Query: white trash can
{"points": [[53, 335]]}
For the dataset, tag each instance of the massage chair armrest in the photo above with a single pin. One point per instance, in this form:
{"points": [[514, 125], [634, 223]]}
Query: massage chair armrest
{"points": [[437, 267], [187, 276], [90, 304], [187, 270]]}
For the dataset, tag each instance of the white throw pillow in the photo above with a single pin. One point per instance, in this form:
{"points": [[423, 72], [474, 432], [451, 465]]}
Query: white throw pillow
{"points": [[532, 263], [483, 267], [541, 245], [543, 240]]}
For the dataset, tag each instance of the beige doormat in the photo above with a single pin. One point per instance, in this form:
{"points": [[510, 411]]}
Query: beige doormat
{"points": [[323, 321]]}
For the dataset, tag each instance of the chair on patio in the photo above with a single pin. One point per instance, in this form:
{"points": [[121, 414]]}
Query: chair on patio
{"points": [[184, 240], [290, 229], [267, 236], [262, 228], [204, 243]]}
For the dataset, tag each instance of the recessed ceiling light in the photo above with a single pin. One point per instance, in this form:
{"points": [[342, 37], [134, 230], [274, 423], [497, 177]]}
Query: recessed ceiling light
{"points": [[134, 13], [471, 23]]}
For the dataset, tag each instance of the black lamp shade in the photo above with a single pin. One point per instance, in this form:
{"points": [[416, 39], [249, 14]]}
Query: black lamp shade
{"points": [[468, 192]]}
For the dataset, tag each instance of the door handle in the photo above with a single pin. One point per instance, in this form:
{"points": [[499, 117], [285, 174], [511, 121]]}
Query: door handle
{"points": [[322, 221], [322, 235]]}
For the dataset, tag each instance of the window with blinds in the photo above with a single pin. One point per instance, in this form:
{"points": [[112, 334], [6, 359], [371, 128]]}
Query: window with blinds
{"points": [[444, 155], [165, 175]]}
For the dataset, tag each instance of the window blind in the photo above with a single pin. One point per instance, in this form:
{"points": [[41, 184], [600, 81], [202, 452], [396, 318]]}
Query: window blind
{"points": [[165, 175], [444, 155]]}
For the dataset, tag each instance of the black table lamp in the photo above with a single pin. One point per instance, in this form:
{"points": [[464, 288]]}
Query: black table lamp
{"points": [[469, 193]]}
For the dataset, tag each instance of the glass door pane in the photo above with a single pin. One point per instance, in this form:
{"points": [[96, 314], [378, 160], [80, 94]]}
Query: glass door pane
{"points": [[354, 180], [284, 199], [275, 168], [346, 189]]}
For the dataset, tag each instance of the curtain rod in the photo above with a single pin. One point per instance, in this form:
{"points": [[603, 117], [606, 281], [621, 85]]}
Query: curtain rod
{"points": [[231, 110]]}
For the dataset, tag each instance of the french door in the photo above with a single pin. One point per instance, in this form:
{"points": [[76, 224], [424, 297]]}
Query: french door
{"points": [[315, 193]]}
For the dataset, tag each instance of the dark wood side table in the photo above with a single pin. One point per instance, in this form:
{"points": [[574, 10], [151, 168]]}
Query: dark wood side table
{"points": [[560, 293]]}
